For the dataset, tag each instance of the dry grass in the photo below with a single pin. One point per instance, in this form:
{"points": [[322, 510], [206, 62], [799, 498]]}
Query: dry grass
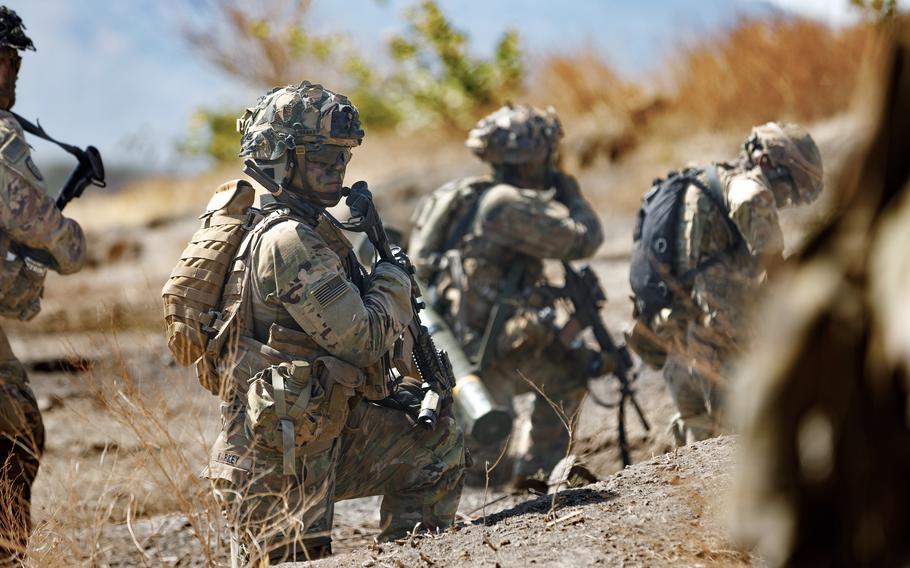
{"points": [[758, 70], [147, 467], [769, 69]]}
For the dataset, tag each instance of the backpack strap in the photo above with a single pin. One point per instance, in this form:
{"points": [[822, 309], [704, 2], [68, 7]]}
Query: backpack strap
{"points": [[464, 223], [714, 191], [237, 317], [452, 242]]}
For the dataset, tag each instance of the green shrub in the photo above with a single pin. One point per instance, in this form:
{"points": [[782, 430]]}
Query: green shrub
{"points": [[433, 80]]}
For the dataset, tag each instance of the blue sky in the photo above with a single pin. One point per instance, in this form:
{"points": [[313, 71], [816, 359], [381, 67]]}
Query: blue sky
{"points": [[117, 74]]}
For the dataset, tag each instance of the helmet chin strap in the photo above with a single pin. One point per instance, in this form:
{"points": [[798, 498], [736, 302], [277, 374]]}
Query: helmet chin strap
{"points": [[292, 165]]}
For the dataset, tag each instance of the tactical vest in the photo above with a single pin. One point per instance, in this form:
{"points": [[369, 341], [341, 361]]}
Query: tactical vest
{"points": [[240, 351]]}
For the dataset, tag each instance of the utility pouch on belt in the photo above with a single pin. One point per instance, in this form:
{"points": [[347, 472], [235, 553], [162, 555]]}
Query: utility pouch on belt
{"points": [[194, 290], [301, 405]]}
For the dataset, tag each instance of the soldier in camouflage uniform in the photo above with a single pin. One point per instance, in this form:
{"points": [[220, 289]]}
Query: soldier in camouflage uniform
{"points": [[780, 166], [310, 347], [29, 218], [480, 243]]}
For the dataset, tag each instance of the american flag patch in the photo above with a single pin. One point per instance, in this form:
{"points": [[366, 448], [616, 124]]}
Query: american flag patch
{"points": [[329, 291]]}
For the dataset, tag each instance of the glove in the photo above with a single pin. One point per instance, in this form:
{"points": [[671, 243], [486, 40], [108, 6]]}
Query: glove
{"points": [[409, 395], [400, 260]]}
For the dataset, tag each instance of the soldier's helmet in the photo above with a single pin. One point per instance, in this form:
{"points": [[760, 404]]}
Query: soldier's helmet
{"points": [[306, 115], [515, 134], [12, 31], [792, 151]]}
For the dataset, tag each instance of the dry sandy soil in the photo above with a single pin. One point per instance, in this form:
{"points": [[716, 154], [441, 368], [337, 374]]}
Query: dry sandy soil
{"points": [[128, 430]]}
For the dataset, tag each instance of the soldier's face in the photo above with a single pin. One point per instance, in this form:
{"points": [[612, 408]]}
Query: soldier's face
{"points": [[9, 73], [323, 171]]}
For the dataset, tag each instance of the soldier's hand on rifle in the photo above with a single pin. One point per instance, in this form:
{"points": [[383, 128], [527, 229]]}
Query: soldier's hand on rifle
{"points": [[409, 395], [401, 260]]}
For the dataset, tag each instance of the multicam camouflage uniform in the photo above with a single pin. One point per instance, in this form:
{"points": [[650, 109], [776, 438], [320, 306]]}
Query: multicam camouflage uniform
{"points": [[28, 216], [309, 302], [708, 328], [513, 228]]}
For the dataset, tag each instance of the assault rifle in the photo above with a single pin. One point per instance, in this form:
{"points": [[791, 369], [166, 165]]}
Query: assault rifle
{"points": [[583, 291], [89, 171], [432, 364]]}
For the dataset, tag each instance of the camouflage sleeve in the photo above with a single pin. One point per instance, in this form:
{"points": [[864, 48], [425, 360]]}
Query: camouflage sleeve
{"points": [[27, 213], [752, 209], [309, 280], [534, 224]]}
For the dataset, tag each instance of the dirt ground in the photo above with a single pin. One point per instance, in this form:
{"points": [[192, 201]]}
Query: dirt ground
{"points": [[128, 430], [663, 512]]}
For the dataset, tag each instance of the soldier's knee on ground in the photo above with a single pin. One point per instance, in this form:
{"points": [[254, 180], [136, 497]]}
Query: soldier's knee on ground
{"points": [[429, 500]]}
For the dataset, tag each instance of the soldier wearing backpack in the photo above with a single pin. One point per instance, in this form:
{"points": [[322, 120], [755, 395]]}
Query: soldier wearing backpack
{"points": [[480, 243], [704, 241], [295, 336]]}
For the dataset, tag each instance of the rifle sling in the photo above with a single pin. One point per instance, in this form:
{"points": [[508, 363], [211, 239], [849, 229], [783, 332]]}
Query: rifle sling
{"points": [[37, 130], [499, 313]]}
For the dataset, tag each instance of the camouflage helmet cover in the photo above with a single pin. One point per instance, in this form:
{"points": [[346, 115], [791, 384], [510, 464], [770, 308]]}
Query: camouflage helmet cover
{"points": [[12, 31], [791, 146], [515, 134], [304, 114]]}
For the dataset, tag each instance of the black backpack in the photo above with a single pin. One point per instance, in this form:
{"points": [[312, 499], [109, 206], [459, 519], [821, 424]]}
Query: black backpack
{"points": [[652, 273]]}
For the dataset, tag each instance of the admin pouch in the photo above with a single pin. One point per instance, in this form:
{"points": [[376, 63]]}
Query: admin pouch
{"points": [[294, 407]]}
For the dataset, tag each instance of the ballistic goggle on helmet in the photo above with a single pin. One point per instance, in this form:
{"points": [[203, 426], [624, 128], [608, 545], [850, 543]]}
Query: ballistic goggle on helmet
{"points": [[515, 134], [296, 117], [793, 158]]}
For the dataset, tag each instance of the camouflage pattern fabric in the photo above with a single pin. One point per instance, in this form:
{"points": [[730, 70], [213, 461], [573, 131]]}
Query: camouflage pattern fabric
{"points": [[418, 473], [21, 446], [12, 31], [515, 225], [300, 282], [307, 113], [705, 330], [305, 303], [515, 134], [27, 216]]}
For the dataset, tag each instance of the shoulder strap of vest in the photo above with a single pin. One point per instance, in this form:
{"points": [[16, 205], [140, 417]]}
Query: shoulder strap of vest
{"points": [[237, 316]]}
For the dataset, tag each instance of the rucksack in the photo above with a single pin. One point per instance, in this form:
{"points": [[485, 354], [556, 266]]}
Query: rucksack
{"points": [[652, 274], [193, 293]]}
